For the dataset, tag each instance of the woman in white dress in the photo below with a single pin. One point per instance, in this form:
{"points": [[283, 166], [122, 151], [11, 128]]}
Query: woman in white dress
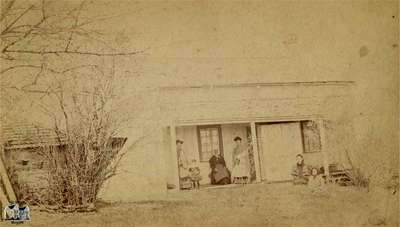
{"points": [[241, 165], [183, 163]]}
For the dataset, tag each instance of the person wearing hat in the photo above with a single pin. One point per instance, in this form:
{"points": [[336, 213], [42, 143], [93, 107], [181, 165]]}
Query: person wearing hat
{"points": [[241, 163], [183, 165]]}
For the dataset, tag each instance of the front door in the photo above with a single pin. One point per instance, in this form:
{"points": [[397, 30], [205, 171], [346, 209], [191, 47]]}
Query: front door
{"points": [[279, 145], [210, 142]]}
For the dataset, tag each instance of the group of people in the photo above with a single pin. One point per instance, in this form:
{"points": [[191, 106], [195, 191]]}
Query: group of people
{"points": [[303, 175], [240, 174], [219, 173], [190, 176]]}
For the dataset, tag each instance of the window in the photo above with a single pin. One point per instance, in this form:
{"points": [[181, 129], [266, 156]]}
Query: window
{"points": [[311, 137], [210, 141]]}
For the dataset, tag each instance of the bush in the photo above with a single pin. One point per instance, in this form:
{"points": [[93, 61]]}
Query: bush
{"points": [[76, 173]]}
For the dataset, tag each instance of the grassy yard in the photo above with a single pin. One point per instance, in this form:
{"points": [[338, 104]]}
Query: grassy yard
{"points": [[251, 205]]}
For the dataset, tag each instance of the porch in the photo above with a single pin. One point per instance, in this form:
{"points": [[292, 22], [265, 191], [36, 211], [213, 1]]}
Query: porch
{"points": [[273, 145]]}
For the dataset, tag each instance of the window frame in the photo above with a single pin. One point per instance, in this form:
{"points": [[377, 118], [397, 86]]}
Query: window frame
{"points": [[220, 141], [303, 138]]}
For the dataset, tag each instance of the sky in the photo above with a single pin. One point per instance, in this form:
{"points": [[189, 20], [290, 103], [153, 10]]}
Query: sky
{"points": [[224, 42]]}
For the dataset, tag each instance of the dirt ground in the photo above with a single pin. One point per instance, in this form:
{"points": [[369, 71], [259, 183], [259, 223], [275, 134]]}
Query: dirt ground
{"points": [[252, 205]]}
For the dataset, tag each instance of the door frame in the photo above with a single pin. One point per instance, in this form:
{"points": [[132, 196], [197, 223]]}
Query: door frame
{"points": [[262, 150], [265, 162]]}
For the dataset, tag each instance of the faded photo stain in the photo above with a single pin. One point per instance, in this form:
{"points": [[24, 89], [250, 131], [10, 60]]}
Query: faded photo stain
{"points": [[363, 51], [194, 113]]}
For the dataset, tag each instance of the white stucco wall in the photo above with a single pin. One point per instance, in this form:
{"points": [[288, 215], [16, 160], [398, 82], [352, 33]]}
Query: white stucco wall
{"points": [[141, 174]]}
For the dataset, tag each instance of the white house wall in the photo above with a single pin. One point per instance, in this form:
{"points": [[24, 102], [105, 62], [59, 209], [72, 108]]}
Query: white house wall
{"points": [[331, 101], [244, 102], [141, 174]]}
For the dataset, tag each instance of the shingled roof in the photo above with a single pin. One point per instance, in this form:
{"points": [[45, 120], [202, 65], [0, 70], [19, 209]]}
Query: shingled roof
{"points": [[26, 135]]}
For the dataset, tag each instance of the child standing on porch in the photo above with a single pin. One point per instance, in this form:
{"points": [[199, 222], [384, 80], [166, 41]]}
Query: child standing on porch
{"points": [[194, 174]]}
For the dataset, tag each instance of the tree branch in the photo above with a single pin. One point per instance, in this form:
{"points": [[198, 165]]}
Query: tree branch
{"points": [[27, 33], [35, 80], [74, 25], [58, 52], [29, 90], [47, 69], [18, 67], [16, 20]]}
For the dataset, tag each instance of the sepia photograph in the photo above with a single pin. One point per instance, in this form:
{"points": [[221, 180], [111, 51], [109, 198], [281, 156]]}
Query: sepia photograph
{"points": [[199, 113]]}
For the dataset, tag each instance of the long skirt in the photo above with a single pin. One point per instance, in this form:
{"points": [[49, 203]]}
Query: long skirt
{"points": [[220, 175], [240, 170]]}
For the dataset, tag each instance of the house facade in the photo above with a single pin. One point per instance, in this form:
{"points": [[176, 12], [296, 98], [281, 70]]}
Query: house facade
{"points": [[272, 117], [278, 120]]}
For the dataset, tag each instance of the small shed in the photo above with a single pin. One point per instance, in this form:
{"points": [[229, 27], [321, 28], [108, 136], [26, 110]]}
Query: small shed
{"points": [[22, 143]]}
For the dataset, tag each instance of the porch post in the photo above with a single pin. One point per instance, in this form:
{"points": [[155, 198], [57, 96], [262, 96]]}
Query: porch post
{"points": [[174, 155], [255, 151], [323, 146]]}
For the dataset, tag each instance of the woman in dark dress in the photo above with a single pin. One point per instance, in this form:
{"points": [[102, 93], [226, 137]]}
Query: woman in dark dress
{"points": [[219, 173]]}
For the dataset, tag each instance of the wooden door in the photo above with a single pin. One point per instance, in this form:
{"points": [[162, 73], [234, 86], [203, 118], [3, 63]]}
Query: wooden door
{"points": [[279, 145]]}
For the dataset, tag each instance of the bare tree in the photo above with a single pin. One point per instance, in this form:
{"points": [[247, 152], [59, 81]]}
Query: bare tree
{"points": [[48, 28], [51, 54], [86, 120], [39, 36]]}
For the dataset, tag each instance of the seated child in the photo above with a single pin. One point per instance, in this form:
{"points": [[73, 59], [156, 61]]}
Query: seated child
{"points": [[300, 171], [194, 174], [315, 182]]}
